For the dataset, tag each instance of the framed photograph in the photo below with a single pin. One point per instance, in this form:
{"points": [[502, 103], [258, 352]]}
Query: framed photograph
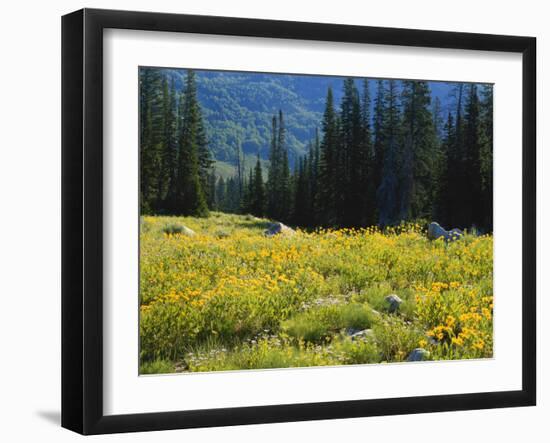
{"points": [[269, 221]]}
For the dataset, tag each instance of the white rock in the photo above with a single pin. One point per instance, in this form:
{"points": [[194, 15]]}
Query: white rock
{"points": [[365, 333], [187, 231], [278, 228], [435, 231], [394, 302], [418, 354]]}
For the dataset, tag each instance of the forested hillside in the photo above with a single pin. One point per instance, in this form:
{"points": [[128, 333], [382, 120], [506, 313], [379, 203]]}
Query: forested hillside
{"points": [[238, 107], [368, 152]]}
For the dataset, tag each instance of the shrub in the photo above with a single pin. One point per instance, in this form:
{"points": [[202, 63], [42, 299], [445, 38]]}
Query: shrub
{"points": [[173, 228], [356, 352], [263, 353], [320, 323], [396, 338]]}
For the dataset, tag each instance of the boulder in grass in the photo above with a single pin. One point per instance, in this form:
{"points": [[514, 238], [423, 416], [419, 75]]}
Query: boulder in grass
{"points": [[435, 231], [419, 354], [393, 302], [361, 335], [278, 228], [187, 231]]}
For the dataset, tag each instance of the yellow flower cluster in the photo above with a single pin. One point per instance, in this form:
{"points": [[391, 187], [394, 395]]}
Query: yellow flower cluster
{"points": [[459, 317]]}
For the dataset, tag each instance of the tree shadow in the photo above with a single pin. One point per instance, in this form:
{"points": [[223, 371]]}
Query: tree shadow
{"points": [[254, 224]]}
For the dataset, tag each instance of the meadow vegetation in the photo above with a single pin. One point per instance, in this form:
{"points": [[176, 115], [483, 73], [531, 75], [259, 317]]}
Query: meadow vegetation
{"points": [[228, 297]]}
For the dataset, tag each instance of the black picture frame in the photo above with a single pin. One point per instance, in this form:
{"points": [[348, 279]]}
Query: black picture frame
{"points": [[82, 218]]}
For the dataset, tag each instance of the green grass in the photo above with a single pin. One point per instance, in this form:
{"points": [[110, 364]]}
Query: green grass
{"points": [[319, 323], [229, 298], [156, 367]]}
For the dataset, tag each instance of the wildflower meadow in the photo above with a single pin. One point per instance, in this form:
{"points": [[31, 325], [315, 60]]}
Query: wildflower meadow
{"points": [[220, 295]]}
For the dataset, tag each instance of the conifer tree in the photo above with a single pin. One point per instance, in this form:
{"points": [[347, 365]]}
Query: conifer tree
{"points": [[239, 165], [169, 152], [190, 197], [213, 198], [273, 184], [232, 199], [486, 156], [441, 210], [301, 194], [285, 196], [151, 135], [368, 175], [419, 153], [258, 191], [328, 164], [353, 160], [456, 200], [387, 193], [437, 118], [221, 194], [279, 183], [378, 135], [314, 177], [206, 161], [248, 193], [474, 140]]}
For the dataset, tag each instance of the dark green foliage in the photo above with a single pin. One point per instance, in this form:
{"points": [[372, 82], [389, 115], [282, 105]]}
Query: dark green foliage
{"points": [[169, 153], [258, 200], [327, 198], [455, 199], [189, 194], [175, 162], [466, 186], [273, 174], [302, 193], [151, 138], [212, 194], [221, 195], [442, 204], [419, 153], [278, 182], [486, 156], [388, 191], [384, 162], [472, 210], [353, 159], [367, 186], [378, 137], [239, 106]]}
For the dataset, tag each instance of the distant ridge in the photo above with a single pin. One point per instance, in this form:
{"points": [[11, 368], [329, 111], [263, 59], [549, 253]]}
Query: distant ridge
{"points": [[238, 106]]}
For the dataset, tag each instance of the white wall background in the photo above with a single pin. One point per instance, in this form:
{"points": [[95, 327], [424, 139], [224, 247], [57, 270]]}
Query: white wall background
{"points": [[30, 219]]}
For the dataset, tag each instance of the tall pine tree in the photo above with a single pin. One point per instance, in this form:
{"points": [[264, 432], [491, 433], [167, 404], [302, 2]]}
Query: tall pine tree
{"points": [[419, 150], [189, 195], [387, 193], [486, 156], [151, 138]]}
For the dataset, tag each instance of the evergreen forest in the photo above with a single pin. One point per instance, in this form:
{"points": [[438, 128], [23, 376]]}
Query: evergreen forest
{"points": [[376, 152]]}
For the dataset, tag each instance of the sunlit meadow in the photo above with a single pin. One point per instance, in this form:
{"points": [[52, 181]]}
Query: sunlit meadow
{"points": [[230, 298]]}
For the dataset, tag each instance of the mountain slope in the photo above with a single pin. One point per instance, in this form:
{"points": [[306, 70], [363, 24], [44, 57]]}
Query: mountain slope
{"points": [[238, 108]]}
